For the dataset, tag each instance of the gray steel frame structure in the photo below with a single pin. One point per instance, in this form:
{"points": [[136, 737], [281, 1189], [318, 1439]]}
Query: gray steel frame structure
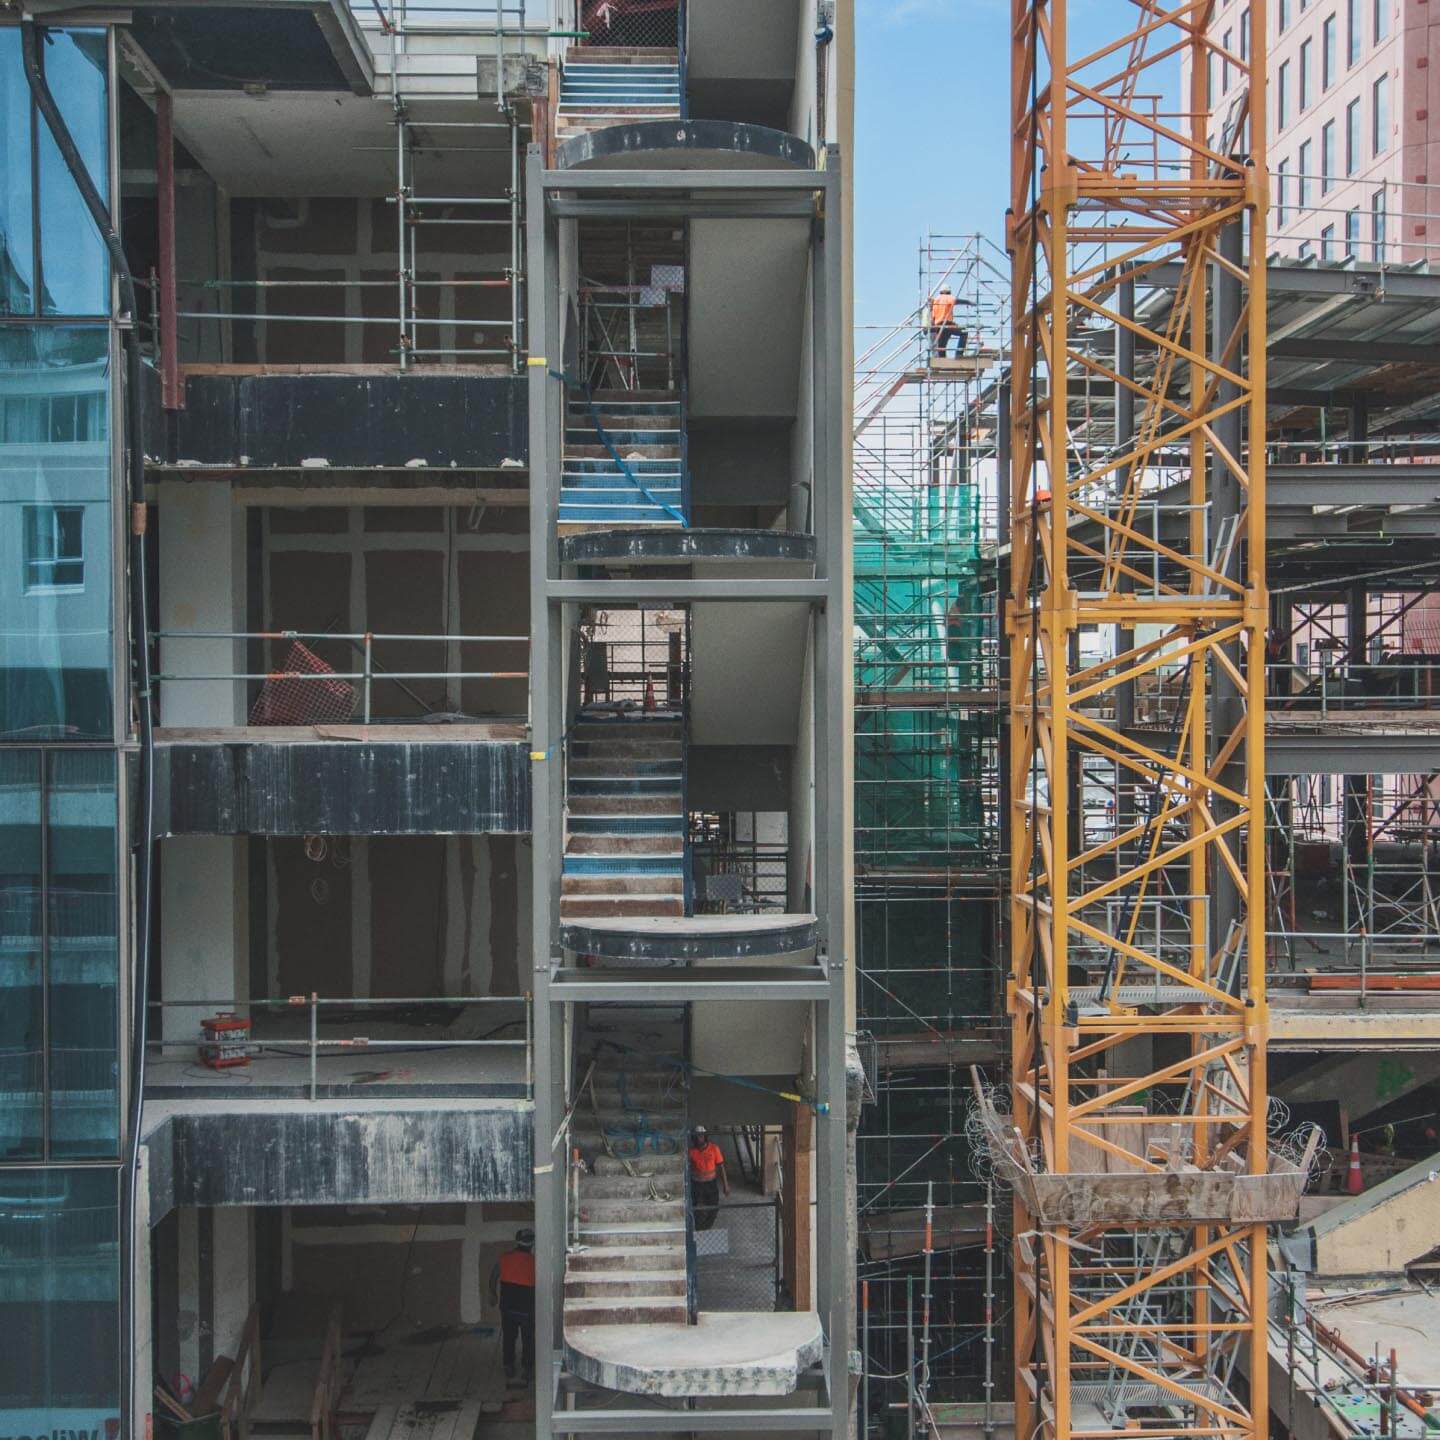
{"points": [[554, 199]]}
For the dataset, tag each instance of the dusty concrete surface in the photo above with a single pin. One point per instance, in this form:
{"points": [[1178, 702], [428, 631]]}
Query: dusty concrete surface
{"points": [[725, 1353]]}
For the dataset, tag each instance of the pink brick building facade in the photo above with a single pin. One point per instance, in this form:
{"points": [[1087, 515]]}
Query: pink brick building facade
{"points": [[1354, 124]]}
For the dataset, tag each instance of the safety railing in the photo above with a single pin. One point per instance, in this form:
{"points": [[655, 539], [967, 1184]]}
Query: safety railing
{"points": [[738, 877], [1352, 964], [282, 698], [325, 1400], [242, 1388], [1400, 682], [636, 660], [1334, 217], [245, 1048]]}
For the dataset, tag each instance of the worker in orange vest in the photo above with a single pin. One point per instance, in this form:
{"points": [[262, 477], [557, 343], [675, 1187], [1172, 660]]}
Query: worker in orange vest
{"points": [[942, 324], [512, 1288], [707, 1176]]}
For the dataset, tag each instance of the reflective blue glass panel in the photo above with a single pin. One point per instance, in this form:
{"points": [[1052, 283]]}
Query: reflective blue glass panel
{"points": [[55, 533], [59, 1304], [17, 215], [74, 268], [82, 954], [22, 1015]]}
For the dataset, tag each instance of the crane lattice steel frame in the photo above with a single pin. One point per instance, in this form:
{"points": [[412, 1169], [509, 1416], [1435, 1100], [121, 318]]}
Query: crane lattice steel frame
{"points": [[1134, 1322]]}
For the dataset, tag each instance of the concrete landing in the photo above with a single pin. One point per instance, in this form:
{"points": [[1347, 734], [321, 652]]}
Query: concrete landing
{"points": [[725, 1353]]}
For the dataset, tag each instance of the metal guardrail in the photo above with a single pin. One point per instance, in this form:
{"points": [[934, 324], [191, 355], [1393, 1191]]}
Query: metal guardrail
{"points": [[365, 677], [313, 1004]]}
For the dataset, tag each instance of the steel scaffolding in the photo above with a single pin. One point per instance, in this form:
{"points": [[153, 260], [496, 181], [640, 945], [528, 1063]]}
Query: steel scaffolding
{"points": [[1137, 997], [926, 807]]}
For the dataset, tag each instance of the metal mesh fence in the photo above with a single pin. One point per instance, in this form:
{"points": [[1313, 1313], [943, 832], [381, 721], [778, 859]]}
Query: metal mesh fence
{"points": [[646, 23], [738, 1257]]}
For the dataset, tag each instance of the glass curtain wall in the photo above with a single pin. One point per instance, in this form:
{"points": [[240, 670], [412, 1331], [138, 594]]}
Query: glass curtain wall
{"points": [[60, 930]]}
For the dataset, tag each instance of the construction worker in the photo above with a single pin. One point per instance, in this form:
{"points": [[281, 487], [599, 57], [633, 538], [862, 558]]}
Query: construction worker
{"points": [[707, 1177], [943, 326], [512, 1288]]}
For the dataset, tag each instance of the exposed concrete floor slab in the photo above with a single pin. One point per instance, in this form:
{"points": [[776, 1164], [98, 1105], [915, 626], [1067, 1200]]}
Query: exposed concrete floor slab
{"points": [[384, 1067], [725, 1353]]}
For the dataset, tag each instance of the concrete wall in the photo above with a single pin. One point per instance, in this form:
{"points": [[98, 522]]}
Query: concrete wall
{"points": [[204, 938], [1378, 1232]]}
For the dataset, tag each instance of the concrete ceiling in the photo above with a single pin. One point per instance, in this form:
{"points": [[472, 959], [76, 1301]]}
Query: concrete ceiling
{"points": [[745, 340], [336, 144]]}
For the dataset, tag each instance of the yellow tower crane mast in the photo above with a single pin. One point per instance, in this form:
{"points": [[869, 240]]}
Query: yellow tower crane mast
{"points": [[1137, 1139]]}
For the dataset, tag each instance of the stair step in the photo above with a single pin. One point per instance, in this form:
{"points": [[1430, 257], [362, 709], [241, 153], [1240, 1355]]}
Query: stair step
{"points": [[626, 767], [663, 1170], [633, 907], [627, 1258], [639, 749], [612, 1187], [619, 54], [645, 449], [624, 785], [595, 810], [652, 1233], [615, 1284], [621, 845], [631, 863], [629, 1311], [621, 885]]}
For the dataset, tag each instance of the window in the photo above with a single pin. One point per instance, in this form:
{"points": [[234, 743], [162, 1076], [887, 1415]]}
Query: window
{"points": [[59, 967], [1327, 243], [1382, 19], [1225, 43], [1284, 16], [1327, 53], [1352, 234], [1282, 193], [1377, 226], [1327, 156], [1352, 33], [59, 1311], [1210, 75], [54, 547], [1282, 96], [1352, 137], [1244, 34], [1302, 179], [1380, 115], [55, 600], [1306, 46], [68, 273], [1305, 251]]}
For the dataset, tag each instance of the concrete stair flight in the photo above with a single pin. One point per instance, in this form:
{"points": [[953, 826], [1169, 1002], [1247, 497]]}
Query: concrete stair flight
{"points": [[643, 427], [627, 1261], [624, 817], [602, 86]]}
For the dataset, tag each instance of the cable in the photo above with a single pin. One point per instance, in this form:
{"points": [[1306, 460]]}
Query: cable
{"points": [[140, 647]]}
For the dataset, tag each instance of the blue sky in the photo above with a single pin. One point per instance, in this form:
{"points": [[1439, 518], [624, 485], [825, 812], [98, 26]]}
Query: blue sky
{"points": [[933, 91]]}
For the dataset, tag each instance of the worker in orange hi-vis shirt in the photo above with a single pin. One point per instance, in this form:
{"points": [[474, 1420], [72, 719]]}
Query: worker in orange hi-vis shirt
{"points": [[707, 1177], [942, 324], [512, 1289]]}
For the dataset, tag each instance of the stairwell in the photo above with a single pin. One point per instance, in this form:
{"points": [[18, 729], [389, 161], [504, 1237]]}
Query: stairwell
{"points": [[602, 86], [627, 1264], [624, 816]]}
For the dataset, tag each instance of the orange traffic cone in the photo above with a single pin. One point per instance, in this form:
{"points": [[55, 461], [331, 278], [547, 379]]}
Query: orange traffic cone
{"points": [[649, 694], [1354, 1180]]}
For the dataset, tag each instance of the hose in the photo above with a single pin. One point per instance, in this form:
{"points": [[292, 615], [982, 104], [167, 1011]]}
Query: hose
{"points": [[140, 651]]}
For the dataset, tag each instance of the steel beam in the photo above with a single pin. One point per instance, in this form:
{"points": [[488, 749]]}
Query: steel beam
{"points": [[801, 1420], [680, 592], [685, 207], [640, 182], [718, 983], [1365, 751]]}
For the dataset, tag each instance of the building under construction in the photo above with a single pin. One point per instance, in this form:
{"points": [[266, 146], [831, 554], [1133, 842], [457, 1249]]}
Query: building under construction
{"points": [[424, 701], [431, 676]]}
